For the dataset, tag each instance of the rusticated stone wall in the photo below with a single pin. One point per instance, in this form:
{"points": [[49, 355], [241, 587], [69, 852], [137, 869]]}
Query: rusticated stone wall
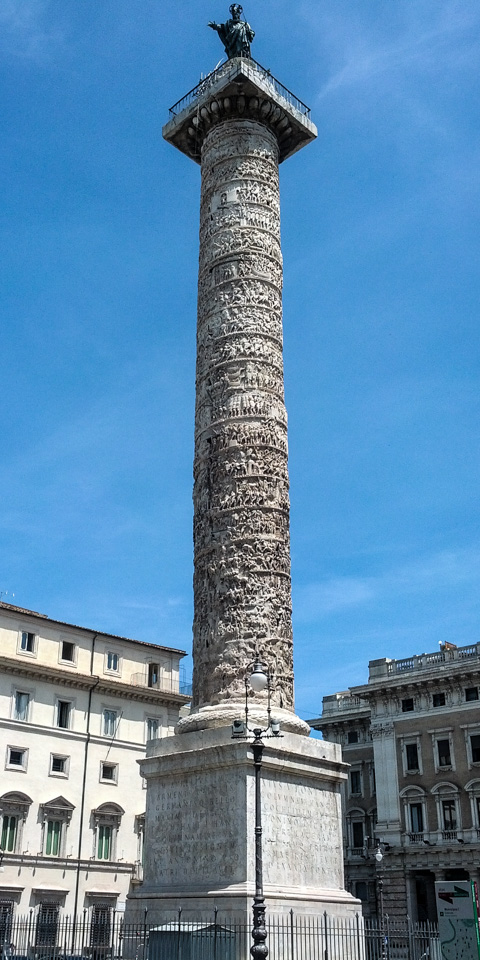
{"points": [[242, 593]]}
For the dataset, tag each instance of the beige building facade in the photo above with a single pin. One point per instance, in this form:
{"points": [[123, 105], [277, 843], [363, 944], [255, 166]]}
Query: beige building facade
{"points": [[412, 738], [76, 710]]}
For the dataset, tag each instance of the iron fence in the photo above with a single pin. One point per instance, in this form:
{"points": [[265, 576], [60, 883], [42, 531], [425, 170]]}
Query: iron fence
{"points": [[102, 934], [205, 83]]}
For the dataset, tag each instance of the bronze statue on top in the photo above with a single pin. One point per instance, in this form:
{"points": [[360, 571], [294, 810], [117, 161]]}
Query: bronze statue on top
{"points": [[236, 34]]}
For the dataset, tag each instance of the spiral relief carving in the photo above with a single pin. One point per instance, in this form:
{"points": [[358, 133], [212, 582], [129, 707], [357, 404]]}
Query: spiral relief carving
{"points": [[242, 592]]}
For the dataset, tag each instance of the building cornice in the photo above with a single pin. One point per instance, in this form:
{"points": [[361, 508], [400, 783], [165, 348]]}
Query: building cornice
{"points": [[82, 681]]}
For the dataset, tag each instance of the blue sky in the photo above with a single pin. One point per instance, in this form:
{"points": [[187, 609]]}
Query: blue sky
{"points": [[99, 243]]}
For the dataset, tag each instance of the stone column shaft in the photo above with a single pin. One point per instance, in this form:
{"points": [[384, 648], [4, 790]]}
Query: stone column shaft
{"points": [[242, 591]]}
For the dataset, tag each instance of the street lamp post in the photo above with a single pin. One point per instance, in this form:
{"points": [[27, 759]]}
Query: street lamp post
{"points": [[379, 859], [259, 680]]}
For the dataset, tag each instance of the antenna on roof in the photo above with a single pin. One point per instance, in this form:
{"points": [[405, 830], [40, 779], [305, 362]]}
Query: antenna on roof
{"points": [[4, 593]]}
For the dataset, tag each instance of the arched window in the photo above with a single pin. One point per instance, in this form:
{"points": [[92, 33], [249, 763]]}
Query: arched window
{"points": [[106, 821], [448, 810], [415, 813], [473, 790], [356, 832], [14, 809]]}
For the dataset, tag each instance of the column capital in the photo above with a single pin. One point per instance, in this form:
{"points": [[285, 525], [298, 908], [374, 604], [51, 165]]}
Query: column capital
{"points": [[239, 89]]}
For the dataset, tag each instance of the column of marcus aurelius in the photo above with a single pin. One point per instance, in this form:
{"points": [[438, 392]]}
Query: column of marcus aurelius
{"points": [[200, 817], [242, 594]]}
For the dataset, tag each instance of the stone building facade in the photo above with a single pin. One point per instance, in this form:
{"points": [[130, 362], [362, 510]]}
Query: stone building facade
{"points": [[76, 710], [412, 738]]}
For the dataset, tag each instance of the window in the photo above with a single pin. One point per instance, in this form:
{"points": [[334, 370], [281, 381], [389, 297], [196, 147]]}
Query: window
{"points": [[47, 924], [109, 772], [471, 693], [438, 700], [357, 833], [444, 758], [59, 765], [27, 642], [104, 841], [14, 809], [152, 728], [67, 651], [113, 661], [107, 819], [449, 813], [17, 758], [21, 705], [153, 674], [8, 841], [475, 745], [352, 736], [64, 710], [100, 930], [56, 816], [363, 890], [411, 754], [6, 922], [355, 782], [53, 838], [416, 817], [407, 705], [110, 718]]}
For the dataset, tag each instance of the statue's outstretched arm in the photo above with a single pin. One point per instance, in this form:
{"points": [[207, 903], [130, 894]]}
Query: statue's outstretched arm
{"points": [[212, 24]]}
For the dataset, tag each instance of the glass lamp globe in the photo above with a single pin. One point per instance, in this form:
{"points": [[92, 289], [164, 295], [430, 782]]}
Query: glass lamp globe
{"points": [[258, 677]]}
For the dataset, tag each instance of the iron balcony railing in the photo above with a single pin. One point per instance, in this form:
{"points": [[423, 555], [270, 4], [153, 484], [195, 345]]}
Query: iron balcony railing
{"points": [[165, 684], [205, 83]]}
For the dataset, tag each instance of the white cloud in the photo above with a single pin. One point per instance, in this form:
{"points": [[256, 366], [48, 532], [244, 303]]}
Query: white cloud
{"points": [[422, 39], [446, 569]]}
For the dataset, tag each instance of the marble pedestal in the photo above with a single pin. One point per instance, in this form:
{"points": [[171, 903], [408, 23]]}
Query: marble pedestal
{"points": [[200, 828]]}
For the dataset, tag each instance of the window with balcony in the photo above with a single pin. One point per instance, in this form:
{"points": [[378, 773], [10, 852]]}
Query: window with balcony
{"points": [[416, 817], [153, 674], [357, 834], [449, 815]]}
